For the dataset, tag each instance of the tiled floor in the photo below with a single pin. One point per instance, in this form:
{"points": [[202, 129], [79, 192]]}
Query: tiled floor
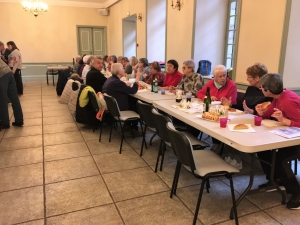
{"points": [[54, 171]]}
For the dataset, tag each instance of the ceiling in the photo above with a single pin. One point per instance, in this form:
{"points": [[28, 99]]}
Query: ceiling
{"points": [[101, 4]]}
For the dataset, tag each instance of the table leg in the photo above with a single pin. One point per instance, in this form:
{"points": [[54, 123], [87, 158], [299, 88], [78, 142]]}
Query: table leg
{"points": [[47, 77], [53, 77], [248, 190]]}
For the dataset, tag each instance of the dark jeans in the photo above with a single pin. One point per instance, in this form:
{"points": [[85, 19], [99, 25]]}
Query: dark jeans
{"points": [[283, 169], [19, 83], [8, 89]]}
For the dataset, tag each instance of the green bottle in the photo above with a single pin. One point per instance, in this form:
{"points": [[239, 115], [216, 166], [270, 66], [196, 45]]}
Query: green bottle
{"points": [[152, 84], [155, 86], [207, 99]]}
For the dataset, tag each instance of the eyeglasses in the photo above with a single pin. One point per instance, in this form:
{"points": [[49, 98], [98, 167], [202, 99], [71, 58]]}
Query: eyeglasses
{"points": [[185, 68]]}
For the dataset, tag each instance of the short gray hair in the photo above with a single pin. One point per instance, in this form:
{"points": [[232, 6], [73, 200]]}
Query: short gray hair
{"points": [[190, 64], [133, 61], [115, 68], [272, 82], [219, 67], [90, 60]]}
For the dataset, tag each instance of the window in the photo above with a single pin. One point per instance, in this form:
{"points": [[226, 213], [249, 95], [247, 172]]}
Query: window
{"points": [[231, 33]]}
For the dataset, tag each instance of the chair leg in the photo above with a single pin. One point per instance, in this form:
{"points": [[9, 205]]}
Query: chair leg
{"points": [[233, 200], [158, 155], [143, 141], [163, 156], [111, 126], [177, 179], [47, 78], [174, 179], [201, 133], [207, 185], [122, 128], [199, 201], [152, 138], [222, 148], [101, 126], [296, 166]]}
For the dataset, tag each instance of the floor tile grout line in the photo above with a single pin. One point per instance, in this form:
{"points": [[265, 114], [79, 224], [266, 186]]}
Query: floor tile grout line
{"points": [[102, 177], [43, 149]]}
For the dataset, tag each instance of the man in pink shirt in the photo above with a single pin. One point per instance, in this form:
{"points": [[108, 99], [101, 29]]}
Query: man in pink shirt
{"points": [[173, 76], [285, 108], [221, 87]]}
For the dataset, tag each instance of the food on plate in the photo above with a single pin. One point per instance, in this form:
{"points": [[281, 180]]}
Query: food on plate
{"points": [[210, 116], [265, 105], [240, 127], [142, 85], [231, 110]]}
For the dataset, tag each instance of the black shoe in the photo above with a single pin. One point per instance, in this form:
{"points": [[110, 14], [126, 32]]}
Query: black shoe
{"points": [[293, 203], [4, 126], [18, 124]]}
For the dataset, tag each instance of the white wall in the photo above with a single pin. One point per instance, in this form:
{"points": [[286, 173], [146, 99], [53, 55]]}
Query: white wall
{"points": [[156, 30], [210, 28], [129, 38], [50, 37], [291, 73]]}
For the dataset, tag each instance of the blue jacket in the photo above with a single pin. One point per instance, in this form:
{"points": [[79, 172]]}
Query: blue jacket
{"points": [[119, 90]]}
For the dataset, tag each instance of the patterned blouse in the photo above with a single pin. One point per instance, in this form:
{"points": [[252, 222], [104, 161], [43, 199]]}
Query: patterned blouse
{"points": [[192, 84], [160, 76]]}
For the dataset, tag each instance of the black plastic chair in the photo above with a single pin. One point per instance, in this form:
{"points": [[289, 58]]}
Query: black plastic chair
{"points": [[119, 116], [202, 164], [160, 122], [146, 119]]}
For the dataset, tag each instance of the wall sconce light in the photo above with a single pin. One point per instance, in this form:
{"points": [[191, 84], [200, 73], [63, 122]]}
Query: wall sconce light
{"points": [[139, 17], [177, 5]]}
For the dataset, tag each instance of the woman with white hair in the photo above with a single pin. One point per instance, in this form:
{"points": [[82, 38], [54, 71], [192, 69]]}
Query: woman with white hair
{"points": [[88, 60]]}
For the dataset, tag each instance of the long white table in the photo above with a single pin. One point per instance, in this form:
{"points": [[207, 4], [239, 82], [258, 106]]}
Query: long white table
{"points": [[261, 140]]}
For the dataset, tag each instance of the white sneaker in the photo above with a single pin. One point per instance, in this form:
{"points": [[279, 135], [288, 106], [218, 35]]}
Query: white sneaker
{"points": [[237, 165]]}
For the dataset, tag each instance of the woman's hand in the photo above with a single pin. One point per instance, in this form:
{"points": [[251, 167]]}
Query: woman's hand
{"points": [[145, 75], [278, 115], [225, 101], [259, 109], [247, 109]]}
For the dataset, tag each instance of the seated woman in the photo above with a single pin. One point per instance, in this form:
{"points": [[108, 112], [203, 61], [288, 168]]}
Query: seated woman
{"points": [[191, 81], [142, 70], [221, 87], [285, 108], [173, 76], [253, 95], [155, 73], [125, 62], [130, 69]]}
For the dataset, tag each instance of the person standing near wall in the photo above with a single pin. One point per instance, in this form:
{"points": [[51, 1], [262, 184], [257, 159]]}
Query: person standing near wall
{"points": [[15, 63], [8, 89], [4, 52]]}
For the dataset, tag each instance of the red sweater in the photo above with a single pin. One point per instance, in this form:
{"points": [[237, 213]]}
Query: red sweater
{"points": [[289, 104], [172, 79], [229, 90]]}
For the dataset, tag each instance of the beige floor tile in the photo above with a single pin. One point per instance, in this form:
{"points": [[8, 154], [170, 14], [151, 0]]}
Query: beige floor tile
{"points": [[21, 205], [74, 195], [26, 108], [36, 222], [68, 169], [33, 122], [56, 113], [215, 205], [155, 209], [133, 183], [21, 143], [21, 176], [21, 157], [23, 131], [106, 214], [58, 128], [32, 115], [58, 119], [33, 104], [62, 138], [65, 151], [113, 162], [284, 215], [27, 99], [104, 146], [88, 134], [259, 218], [55, 107]]}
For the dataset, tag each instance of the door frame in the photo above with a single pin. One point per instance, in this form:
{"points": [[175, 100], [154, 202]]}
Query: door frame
{"points": [[127, 19], [89, 26]]}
